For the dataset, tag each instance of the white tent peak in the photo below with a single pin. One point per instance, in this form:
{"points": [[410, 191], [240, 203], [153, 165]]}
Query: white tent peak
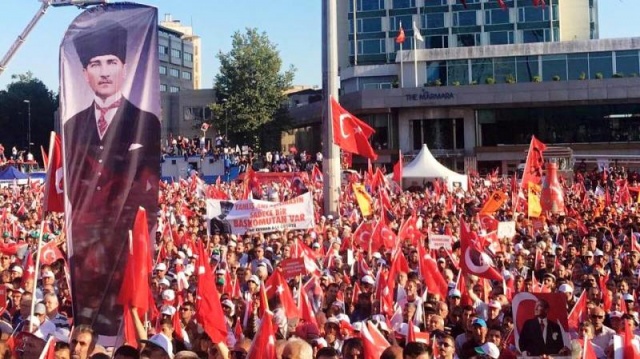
{"points": [[425, 166]]}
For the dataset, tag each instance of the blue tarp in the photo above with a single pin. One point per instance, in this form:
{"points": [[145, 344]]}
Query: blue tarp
{"points": [[11, 173]]}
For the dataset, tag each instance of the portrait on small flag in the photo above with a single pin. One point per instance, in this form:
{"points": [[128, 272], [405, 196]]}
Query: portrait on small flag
{"points": [[541, 325], [109, 107]]}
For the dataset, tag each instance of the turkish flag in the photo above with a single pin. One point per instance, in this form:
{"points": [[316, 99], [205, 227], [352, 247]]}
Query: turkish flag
{"points": [[264, 343], [629, 349], [50, 253], [350, 133], [397, 169], [29, 272], [135, 289], [578, 313], [208, 307], [502, 4], [374, 342], [474, 260], [533, 168], [305, 308], [54, 193], [276, 285], [587, 350], [383, 236], [49, 351], [431, 275]]}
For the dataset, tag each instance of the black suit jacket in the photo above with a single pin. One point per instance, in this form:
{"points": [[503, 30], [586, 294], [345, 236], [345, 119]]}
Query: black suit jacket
{"points": [[531, 338], [107, 180]]}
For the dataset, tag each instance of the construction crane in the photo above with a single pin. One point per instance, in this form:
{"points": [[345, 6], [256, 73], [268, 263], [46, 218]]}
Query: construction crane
{"points": [[43, 9]]}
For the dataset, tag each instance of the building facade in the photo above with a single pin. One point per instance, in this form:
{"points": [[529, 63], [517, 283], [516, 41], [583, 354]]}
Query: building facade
{"points": [[484, 79]]}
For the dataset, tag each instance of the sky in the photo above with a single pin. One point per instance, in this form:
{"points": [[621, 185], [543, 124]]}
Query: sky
{"points": [[293, 25]]}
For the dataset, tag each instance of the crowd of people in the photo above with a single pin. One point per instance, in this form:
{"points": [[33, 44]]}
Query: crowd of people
{"points": [[360, 296]]}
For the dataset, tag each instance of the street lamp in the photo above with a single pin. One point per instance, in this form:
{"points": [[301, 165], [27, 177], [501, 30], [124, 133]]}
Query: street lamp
{"points": [[29, 126], [226, 120]]}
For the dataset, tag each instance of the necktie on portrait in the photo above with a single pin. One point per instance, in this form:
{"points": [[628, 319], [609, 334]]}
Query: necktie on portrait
{"points": [[102, 121], [542, 330]]}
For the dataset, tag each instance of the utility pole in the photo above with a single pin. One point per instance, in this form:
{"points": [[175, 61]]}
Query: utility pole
{"points": [[29, 126], [331, 152]]}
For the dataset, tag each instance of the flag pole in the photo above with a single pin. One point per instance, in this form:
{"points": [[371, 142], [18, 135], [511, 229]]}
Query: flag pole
{"points": [[355, 33], [331, 152], [35, 275], [401, 64], [415, 55]]}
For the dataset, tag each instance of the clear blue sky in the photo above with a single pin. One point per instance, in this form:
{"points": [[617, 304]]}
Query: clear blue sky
{"points": [[294, 25]]}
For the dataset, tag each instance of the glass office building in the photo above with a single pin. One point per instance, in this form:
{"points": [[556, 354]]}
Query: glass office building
{"points": [[485, 79]]}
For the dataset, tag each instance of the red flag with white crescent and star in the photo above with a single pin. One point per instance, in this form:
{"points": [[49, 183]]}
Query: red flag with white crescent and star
{"points": [[50, 253], [474, 260], [54, 193], [350, 133]]}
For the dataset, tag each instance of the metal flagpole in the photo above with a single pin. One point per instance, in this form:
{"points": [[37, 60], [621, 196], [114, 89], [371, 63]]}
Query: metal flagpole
{"points": [[401, 64], [35, 275], [415, 56], [331, 152], [355, 33]]}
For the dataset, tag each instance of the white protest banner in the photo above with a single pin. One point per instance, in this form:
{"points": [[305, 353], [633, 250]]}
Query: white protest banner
{"points": [[254, 216], [436, 241], [506, 229]]}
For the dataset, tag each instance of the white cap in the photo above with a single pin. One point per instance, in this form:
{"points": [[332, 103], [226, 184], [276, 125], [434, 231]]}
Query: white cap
{"points": [[169, 295], [221, 272], [48, 274], [357, 326], [169, 310], [164, 281], [161, 340], [376, 255], [368, 280], [495, 304], [229, 303], [316, 245], [565, 288], [33, 320], [403, 329], [489, 349], [254, 279], [161, 266]]}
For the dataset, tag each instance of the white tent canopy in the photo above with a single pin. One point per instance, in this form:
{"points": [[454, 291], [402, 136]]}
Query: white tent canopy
{"points": [[425, 166]]}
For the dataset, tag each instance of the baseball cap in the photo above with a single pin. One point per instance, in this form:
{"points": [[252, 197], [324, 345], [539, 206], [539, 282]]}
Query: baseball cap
{"points": [[39, 309], [48, 274], [161, 266], [164, 281], [169, 295], [160, 340], [488, 349], [589, 254], [565, 288], [455, 293], [17, 269], [480, 322], [495, 304], [628, 297], [368, 280], [168, 310], [254, 279], [228, 303]]}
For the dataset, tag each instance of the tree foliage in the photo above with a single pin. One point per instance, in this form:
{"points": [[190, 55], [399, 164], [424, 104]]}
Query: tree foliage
{"points": [[14, 114], [250, 89]]}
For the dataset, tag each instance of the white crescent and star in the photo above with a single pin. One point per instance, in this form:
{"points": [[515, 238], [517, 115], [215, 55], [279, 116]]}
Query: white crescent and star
{"points": [[48, 256], [342, 117], [59, 177], [486, 261]]}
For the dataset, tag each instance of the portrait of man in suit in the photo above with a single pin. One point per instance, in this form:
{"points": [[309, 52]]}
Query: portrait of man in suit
{"points": [[112, 161], [541, 335]]}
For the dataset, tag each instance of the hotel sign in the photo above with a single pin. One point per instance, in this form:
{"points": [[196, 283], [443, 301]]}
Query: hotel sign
{"points": [[426, 95]]}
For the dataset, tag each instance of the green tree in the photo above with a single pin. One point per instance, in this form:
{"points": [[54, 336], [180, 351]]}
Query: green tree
{"points": [[14, 115], [250, 91]]}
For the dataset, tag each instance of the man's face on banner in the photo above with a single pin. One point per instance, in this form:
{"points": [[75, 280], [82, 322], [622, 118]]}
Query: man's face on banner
{"points": [[105, 75]]}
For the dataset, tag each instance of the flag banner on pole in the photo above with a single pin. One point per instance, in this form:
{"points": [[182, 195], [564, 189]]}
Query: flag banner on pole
{"points": [[109, 107], [53, 194]]}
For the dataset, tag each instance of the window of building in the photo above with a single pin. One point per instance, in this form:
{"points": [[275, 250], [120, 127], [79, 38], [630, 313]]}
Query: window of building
{"points": [[403, 4], [188, 57], [554, 67], [163, 50], [371, 24], [481, 70], [464, 18], [627, 63], [373, 46], [174, 72], [163, 70], [163, 88], [186, 75], [465, 40], [600, 64], [496, 16], [527, 68], [406, 21], [436, 71], [504, 69], [533, 13], [174, 89], [175, 53], [438, 133], [436, 2], [369, 5], [436, 42], [433, 21], [540, 35], [501, 38], [577, 66], [458, 72]]}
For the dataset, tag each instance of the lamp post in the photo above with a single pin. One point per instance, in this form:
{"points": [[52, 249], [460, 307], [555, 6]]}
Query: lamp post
{"points": [[226, 120], [29, 126]]}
